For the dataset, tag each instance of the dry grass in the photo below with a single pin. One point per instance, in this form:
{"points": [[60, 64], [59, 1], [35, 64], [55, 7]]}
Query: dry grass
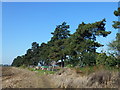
{"points": [[65, 78], [72, 78], [100, 77]]}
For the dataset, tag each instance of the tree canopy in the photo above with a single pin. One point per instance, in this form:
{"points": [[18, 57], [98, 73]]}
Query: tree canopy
{"points": [[78, 49]]}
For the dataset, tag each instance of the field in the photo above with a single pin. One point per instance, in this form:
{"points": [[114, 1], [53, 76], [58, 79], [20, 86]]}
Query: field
{"points": [[13, 77], [21, 78]]}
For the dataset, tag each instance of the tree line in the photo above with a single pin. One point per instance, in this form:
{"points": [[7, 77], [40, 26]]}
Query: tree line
{"points": [[77, 49]]}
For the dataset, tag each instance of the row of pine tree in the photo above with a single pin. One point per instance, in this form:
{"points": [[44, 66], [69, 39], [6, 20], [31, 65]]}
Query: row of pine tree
{"points": [[77, 49]]}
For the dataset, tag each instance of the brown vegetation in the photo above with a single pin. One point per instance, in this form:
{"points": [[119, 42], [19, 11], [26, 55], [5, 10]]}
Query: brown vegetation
{"points": [[65, 78]]}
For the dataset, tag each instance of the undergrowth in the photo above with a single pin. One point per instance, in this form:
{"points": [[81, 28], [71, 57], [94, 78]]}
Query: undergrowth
{"points": [[91, 69], [41, 72]]}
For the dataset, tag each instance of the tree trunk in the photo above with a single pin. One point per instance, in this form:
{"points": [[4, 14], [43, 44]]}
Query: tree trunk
{"points": [[62, 63]]}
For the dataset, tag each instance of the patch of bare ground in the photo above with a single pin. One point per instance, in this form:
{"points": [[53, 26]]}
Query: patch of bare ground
{"points": [[23, 78]]}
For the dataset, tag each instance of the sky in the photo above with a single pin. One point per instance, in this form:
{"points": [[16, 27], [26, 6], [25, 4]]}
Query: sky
{"points": [[27, 22]]}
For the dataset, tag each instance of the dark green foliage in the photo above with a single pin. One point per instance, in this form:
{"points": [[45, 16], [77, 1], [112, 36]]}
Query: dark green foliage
{"points": [[117, 12], [18, 61], [35, 46], [77, 49], [30, 58], [61, 32], [117, 23], [57, 42], [114, 47], [89, 59], [87, 33], [111, 61], [82, 44], [101, 59]]}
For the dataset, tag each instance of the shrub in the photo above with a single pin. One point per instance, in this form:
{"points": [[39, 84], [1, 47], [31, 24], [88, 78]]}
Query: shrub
{"points": [[111, 61], [69, 66], [101, 59], [23, 66]]}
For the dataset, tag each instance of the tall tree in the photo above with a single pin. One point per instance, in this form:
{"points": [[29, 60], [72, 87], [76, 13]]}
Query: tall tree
{"points": [[115, 45], [83, 41], [18, 61], [60, 34], [44, 51]]}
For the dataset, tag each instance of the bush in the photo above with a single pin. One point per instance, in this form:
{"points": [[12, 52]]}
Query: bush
{"points": [[111, 61], [87, 59], [101, 59], [89, 69], [69, 66], [23, 66]]}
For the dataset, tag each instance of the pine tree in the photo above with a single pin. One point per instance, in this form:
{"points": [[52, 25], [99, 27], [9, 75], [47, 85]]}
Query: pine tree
{"points": [[115, 45], [83, 41], [60, 35], [116, 24]]}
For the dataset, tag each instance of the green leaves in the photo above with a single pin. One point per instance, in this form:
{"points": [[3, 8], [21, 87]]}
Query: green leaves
{"points": [[116, 23], [61, 32], [117, 12], [77, 48], [115, 45]]}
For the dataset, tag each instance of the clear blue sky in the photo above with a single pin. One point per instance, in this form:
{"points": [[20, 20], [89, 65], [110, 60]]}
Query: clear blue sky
{"points": [[24, 23]]}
